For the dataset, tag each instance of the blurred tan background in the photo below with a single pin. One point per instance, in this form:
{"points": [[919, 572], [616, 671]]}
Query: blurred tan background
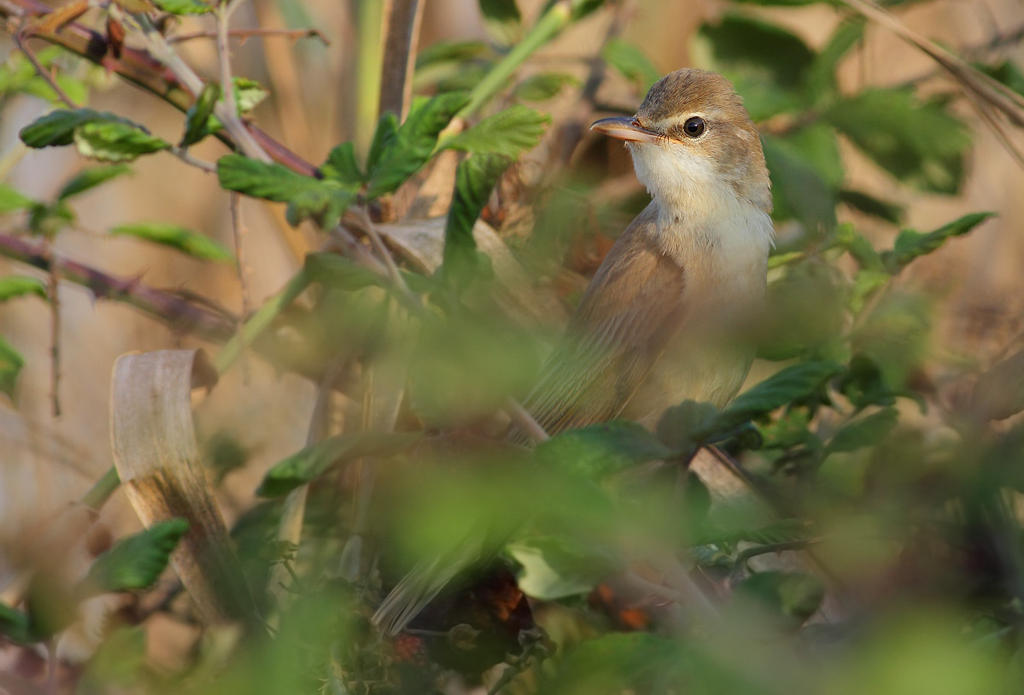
{"points": [[47, 461]]}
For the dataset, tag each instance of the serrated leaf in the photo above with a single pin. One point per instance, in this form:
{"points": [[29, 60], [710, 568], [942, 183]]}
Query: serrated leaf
{"points": [[137, 561], [543, 86], [197, 118], [341, 165], [58, 127], [631, 62], [910, 244], [412, 145], [502, 19], [180, 7], [112, 141], [507, 133], [15, 625], [90, 178], [322, 199], [791, 384], [475, 178], [870, 205], [598, 450], [11, 200], [11, 363], [313, 461], [555, 567], [920, 143], [18, 286], [768, 65], [176, 237], [865, 431]]}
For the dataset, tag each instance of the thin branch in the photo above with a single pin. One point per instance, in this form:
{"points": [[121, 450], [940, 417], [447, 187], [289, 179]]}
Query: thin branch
{"points": [[366, 224], [20, 37], [202, 164], [401, 36], [52, 290], [244, 34]]}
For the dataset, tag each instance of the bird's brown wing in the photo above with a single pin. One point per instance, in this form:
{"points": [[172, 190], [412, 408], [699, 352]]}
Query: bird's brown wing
{"points": [[629, 312]]}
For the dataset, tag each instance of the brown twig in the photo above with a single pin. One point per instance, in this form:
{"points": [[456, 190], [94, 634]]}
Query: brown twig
{"points": [[177, 313], [244, 34], [52, 290], [20, 37], [401, 36]]}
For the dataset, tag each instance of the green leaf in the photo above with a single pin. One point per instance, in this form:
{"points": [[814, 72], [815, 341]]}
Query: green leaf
{"points": [[793, 383], [58, 127], [324, 200], [412, 145], [183, 6], [341, 165], [475, 178], [865, 431], [855, 244], [1007, 73], [248, 94], [502, 20], [11, 200], [768, 65], [619, 662], [507, 133], [870, 205], [197, 118], [601, 449], [48, 220], [314, 460], [920, 143], [18, 286], [111, 141], [806, 170], [11, 363], [866, 282], [15, 625], [387, 127], [450, 52], [910, 244], [683, 427], [791, 595], [137, 561], [339, 272], [822, 77], [631, 62], [17, 74], [180, 238], [90, 178], [555, 567], [543, 86]]}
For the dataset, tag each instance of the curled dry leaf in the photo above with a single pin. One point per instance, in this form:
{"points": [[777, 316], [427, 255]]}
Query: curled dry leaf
{"points": [[157, 459]]}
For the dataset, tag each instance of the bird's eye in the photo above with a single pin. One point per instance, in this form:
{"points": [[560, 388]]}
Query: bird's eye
{"points": [[694, 127]]}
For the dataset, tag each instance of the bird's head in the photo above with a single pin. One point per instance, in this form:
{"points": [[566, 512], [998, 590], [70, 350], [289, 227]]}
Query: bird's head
{"points": [[693, 144]]}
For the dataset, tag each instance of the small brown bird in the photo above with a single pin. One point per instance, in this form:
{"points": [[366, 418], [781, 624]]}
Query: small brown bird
{"points": [[662, 320]]}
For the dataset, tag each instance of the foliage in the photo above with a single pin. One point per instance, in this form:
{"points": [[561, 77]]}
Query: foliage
{"points": [[645, 571]]}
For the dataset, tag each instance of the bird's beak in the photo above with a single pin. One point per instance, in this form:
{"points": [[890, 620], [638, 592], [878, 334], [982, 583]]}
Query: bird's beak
{"points": [[624, 128]]}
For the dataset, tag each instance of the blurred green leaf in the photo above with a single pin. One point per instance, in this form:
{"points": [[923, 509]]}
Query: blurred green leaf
{"points": [[137, 561], [197, 118], [631, 62], [475, 178], [183, 6], [176, 237], [804, 170], [17, 74], [412, 145], [910, 244], [11, 363], [322, 199], [502, 20], [804, 313], [822, 78], [507, 133], [90, 178], [870, 205], [789, 594], [119, 662], [615, 663], [683, 427], [920, 143], [859, 248], [339, 272], [601, 449], [48, 220], [543, 86], [865, 431], [768, 65], [114, 141], [314, 460], [1006, 72], [450, 51], [13, 286], [341, 165], [865, 283], [556, 567], [15, 625], [11, 200], [896, 336], [791, 384]]}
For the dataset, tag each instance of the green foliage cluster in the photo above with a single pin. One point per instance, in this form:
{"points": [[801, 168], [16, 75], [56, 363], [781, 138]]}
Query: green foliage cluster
{"points": [[835, 442]]}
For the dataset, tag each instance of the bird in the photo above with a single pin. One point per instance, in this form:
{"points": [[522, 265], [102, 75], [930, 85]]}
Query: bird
{"points": [[661, 322]]}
